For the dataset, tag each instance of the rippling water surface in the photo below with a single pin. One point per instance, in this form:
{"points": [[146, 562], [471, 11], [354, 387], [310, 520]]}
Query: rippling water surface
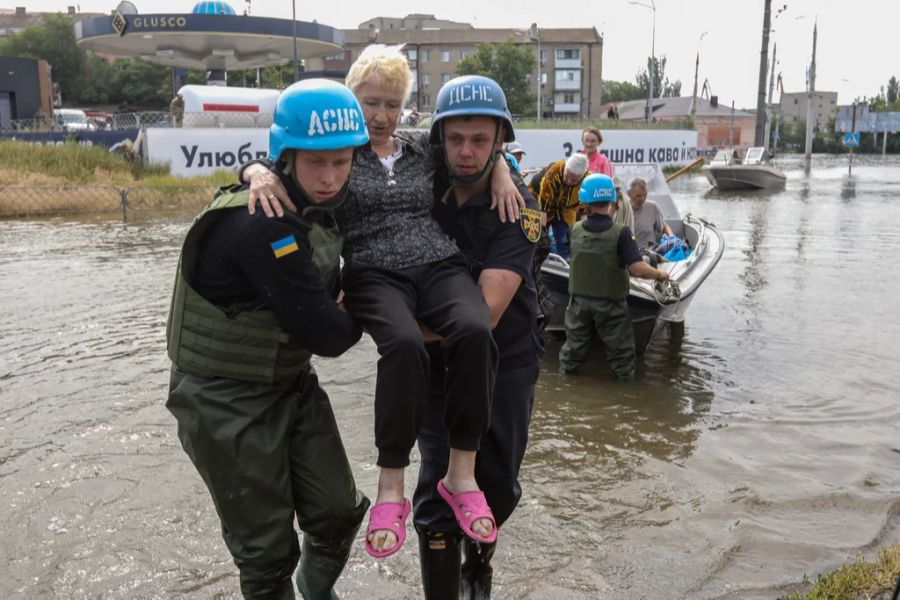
{"points": [[759, 444]]}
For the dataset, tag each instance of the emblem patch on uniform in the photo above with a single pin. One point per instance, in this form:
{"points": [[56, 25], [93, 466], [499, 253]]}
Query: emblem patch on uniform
{"points": [[531, 223], [284, 246]]}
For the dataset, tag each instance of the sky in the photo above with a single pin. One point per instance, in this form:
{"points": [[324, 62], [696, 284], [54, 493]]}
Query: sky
{"points": [[853, 56]]}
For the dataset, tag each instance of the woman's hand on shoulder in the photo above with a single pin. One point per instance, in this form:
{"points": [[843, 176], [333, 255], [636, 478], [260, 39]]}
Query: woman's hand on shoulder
{"points": [[266, 188], [505, 196]]}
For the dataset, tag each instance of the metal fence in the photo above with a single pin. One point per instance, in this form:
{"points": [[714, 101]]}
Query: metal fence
{"points": [[128, 202], [134, 120]]}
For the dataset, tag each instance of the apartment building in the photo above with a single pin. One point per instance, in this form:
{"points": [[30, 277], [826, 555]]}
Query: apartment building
{"points": [[570, 59], [15, 20], [793, 107]]}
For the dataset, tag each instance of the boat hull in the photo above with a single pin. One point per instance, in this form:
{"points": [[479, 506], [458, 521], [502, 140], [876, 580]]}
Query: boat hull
{"points": [[650, 308], [744, 177]]}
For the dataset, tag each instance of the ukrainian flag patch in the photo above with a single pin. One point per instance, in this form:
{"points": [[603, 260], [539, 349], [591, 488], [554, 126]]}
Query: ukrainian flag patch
{"points": [[284, 246]]}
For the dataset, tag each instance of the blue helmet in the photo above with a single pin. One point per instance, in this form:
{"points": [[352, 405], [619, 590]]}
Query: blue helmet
{"points": [[316, 114], [470, 95], [597, 188]]}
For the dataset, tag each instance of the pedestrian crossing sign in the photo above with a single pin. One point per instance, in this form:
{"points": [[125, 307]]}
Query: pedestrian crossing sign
{"points": [[851, 139]]}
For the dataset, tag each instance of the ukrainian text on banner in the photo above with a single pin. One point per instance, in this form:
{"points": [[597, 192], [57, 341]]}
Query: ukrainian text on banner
{"points": [[201, 151], [664, 147], [196, 151]]}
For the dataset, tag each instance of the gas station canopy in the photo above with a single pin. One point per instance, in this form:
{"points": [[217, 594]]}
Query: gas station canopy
{"points": [[212, 37]]}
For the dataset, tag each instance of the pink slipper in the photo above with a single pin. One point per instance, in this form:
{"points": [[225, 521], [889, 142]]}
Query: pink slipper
{"points": [[468, 507], [392, 516]]}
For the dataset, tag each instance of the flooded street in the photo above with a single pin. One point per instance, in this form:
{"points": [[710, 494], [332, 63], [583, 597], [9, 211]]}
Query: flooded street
{"points": [[760, 443]]}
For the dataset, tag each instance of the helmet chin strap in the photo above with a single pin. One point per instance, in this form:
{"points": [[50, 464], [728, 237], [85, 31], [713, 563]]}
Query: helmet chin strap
{"points": [[475, 177]]}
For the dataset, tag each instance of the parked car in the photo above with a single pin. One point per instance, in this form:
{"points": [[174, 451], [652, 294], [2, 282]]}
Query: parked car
{"points": [[102, 120], [72, 119]]}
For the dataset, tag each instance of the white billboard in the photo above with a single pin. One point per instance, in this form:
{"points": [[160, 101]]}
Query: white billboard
{"points": [[201, 151], [198, 151], [665, 147]]}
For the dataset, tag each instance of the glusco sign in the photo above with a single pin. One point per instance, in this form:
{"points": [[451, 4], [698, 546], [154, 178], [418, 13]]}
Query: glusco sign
{"points": [[159, 22]]}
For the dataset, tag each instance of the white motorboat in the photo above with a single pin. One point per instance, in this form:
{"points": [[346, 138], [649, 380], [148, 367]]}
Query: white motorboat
{"points": [[754, 172], [651, 303]]}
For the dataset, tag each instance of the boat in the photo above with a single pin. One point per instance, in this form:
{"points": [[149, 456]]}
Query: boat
{"points": [[652, 303], [754, 172]]}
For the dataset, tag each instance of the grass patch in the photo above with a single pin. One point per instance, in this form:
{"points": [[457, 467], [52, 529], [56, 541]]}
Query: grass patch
{"points": [[22, 163], [860, 579], [72, 178]]}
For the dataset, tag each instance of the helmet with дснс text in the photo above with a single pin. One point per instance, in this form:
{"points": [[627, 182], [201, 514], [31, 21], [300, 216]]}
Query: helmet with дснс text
{"points": [[471, 95]]}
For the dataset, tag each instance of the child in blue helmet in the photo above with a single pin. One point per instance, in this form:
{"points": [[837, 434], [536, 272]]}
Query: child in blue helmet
{"points": [[254, 299], [603, 254]]}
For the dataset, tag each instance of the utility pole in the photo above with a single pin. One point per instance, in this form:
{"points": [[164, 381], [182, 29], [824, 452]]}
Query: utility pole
{"points": [[809, 96], [731, 128], [852, 130], [651, 70], [769, 103], [296, 58], [696, 76], [761, 89], [535, 34], [694, 99]]}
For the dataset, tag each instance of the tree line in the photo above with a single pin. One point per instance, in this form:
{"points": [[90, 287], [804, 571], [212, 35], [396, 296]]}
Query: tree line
{"points": [[87, 79]]}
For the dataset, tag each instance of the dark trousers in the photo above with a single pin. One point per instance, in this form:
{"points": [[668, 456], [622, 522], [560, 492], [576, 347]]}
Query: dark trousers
{"points": [[268, 454], [500, 456], [389, 305], [610, 320], [561, 232]]}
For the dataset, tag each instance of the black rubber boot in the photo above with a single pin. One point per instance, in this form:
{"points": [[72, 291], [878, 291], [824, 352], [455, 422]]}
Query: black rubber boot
{"points": [[439, 558], [477, 572], [321, 565]]}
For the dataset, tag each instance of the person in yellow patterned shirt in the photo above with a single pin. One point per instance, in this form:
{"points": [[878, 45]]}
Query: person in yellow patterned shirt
{"points": [[557, 193]]}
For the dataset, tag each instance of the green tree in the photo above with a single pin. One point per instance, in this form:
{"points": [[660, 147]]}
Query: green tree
{"points": [[54, 41], [98, 82], [621, 91], [509, 64], [893, 90], [143, 84], [662, 87]]}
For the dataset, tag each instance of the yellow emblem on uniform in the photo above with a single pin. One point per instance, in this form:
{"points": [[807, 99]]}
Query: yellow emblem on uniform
{"points": [[531, 223]]}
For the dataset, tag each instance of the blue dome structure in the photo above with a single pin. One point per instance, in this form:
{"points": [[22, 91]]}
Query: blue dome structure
{"points": [[212, 7]]}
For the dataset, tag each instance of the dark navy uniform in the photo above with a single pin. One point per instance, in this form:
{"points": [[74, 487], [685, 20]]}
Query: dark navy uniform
{"points": [[489, 244]]}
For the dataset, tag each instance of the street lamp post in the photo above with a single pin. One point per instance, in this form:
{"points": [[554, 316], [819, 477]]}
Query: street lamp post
{"points": [[650, 70], [770, 107], [296, 58], [536, 36]]}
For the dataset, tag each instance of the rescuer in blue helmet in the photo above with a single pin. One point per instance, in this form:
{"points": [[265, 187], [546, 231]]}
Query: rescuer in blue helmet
{"points": [[471, 122], [470, 95], [603, 254], [254, 299]]}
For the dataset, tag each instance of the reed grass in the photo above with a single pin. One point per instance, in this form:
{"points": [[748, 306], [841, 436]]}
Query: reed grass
{"points": [[72, 178], [862, 578], [22, 163]]}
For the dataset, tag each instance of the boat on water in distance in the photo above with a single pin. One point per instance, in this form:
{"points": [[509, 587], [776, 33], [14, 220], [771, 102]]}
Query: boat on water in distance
{"points": [[754, 172], [651, 303]]}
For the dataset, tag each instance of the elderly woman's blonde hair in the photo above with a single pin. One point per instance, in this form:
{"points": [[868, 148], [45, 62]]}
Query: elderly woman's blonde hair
{"points": [[388, 63]]}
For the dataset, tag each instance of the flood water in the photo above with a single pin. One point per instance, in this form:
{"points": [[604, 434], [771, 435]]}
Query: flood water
{"points": [[760, 443]]}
